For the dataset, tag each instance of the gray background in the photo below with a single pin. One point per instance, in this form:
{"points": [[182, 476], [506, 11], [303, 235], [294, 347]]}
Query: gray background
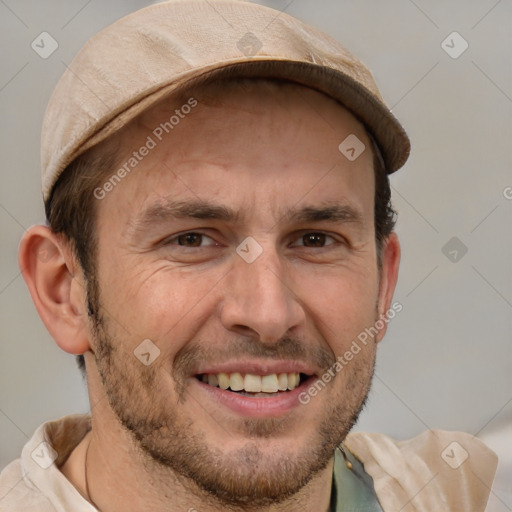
{"points": [[447, 359]]}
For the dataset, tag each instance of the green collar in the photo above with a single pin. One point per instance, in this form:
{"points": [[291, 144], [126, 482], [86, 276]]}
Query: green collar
{"points": [[352, 489]]}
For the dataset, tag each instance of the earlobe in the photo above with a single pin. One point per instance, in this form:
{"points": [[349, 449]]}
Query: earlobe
{"points": [[56, 287], [388, 279]]}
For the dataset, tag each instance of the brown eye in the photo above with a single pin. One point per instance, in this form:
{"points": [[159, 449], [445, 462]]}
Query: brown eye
{"points": [[314, 239], [190, 239]]}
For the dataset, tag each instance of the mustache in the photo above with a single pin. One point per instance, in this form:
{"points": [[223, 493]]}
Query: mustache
{"points": [[292, 348]]}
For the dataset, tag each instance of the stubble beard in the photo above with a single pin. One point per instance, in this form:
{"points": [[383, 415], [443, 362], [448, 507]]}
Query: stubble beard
{"points": [[248, 477]]}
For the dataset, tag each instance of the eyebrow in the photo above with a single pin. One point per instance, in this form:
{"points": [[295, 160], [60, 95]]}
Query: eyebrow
{"points": [[171, 210], [331, 213], [199, 209]]}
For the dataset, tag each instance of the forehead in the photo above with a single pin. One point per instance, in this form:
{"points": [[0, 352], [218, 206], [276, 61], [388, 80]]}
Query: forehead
{"points": [[268, 105], [252, 136]]}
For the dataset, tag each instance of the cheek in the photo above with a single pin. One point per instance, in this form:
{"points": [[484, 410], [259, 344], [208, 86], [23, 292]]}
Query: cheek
{"points": [[341, 303], [158, 302]]}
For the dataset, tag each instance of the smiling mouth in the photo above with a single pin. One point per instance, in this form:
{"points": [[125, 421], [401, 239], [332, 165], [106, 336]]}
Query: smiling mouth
{"points": [[256, 386]]}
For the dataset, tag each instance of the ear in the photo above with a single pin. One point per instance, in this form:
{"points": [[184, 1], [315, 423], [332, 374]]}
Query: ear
{"points": [[388, 279], [57, 287]]}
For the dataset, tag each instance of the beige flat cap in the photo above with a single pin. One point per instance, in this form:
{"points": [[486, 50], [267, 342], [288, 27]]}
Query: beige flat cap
{"points": [[141, 58]]}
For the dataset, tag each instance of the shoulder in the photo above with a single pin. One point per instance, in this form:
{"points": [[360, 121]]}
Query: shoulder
{"points": [[436, 470], [34, 483], [18, 495]]}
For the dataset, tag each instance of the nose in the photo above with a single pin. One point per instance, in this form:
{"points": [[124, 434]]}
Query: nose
{"points": [[259, 300]]}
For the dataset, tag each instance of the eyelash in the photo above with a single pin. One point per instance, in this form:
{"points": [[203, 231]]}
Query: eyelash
{"points": [[172, 240], [176, 237]]}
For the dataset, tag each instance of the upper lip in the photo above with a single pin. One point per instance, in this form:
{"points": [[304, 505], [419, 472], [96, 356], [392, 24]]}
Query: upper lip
{"points": [[257, 367]]}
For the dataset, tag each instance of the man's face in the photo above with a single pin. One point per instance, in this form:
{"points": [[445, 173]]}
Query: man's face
{"points": [[263, 164]]}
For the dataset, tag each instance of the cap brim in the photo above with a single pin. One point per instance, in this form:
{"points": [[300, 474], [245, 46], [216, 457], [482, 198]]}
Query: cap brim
{"points": [[390, 136]]}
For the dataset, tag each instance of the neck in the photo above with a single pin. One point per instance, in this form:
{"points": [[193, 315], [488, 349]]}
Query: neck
{"points": [[86, 478]]}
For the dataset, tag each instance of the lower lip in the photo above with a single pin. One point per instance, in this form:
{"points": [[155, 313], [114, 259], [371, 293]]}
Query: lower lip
{"points": [[256, 407]]}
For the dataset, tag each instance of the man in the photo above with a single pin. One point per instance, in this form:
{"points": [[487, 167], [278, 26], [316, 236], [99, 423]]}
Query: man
{"points": [[221, 251]]}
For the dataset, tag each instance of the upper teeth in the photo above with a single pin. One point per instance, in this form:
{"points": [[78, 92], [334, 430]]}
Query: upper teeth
{"points": [[253, 383]]}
